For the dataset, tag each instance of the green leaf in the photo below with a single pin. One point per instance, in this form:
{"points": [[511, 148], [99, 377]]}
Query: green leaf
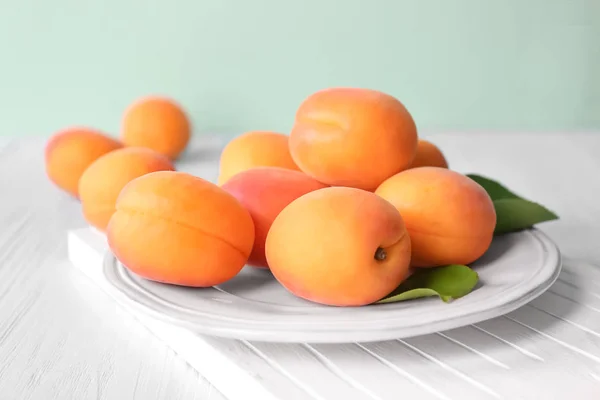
{"points": [[513, 212], [518, 214], [494, 189], [448, 282]]}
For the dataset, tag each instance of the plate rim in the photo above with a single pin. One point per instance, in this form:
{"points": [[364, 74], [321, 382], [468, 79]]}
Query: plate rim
{"points": [[270, 333]]}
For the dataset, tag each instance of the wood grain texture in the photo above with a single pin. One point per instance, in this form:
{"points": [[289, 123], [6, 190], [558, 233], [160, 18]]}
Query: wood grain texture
{"points": [[522, 355], [59, 336]]}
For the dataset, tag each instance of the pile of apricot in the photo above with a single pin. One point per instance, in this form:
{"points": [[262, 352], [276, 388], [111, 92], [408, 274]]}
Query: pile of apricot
{"points": [[340, 210]]}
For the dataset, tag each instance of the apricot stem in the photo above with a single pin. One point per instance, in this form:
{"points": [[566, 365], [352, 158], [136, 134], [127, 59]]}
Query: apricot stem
{"points": [[380, 254]]}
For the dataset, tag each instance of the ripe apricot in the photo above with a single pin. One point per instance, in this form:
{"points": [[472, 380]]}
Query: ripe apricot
{"points": [[102, 181], [264, 192], [175, 228], [449, 217], [339, 246], [353, 137], [157, 123], [429, 155], [69, 152], [254, 149]]}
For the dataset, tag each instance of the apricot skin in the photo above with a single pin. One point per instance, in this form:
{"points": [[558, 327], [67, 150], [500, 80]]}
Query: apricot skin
{"points": [[175, 228], [429, 155], [157, 123], [353, 137], [322, 247], [102, 181], [449, 217], [69, 152], [255, 149], [264, 192]]}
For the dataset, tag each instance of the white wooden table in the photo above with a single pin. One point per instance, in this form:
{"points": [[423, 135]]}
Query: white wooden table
{"points": [[61, 337]]}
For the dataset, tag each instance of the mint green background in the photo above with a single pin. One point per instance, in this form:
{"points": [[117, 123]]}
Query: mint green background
{"points": [[246, 64]]}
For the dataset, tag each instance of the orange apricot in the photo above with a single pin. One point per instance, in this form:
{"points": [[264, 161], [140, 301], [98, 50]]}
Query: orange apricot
{"points": [[254, 149], [353, 137], [69, 152], [157, 123], [429, 155], [264, 192], [339, 246], [175, 228], [449, 217], [102, 181]]}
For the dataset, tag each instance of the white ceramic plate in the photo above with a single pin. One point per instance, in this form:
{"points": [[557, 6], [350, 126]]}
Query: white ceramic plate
{"points": [[254, 306]]}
